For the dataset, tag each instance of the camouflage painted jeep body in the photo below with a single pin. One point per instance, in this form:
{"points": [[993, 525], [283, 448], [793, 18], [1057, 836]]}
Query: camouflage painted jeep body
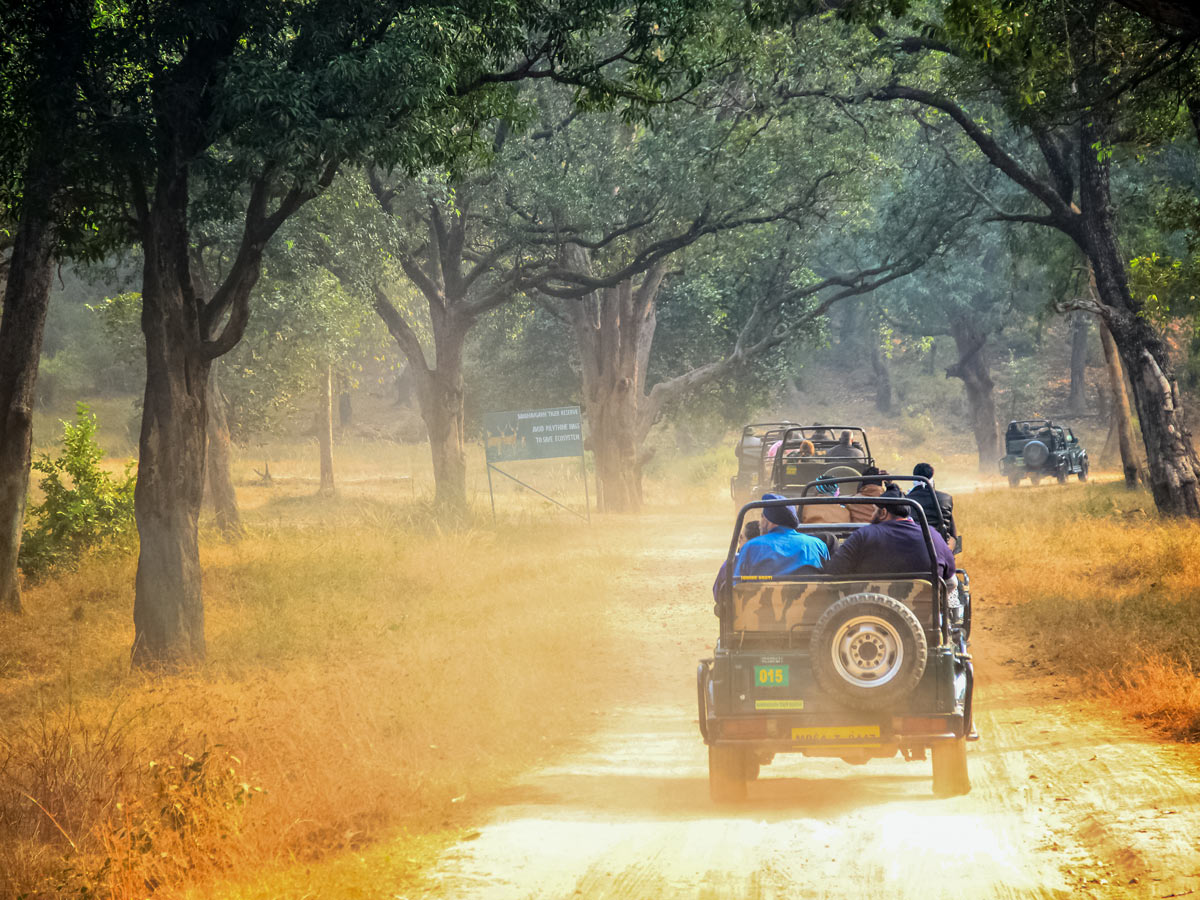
{"points": [[849, 667]]}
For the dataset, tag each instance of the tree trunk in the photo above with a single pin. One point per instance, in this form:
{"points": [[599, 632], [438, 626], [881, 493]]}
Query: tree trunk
{"points": [[220, 491], [611, 412], [324, 426], [972, 368], [440, 394], [1077, 399], [1173, 467], [1122, 416], [614, 330], [168, 608], [883, 378], [56, 40], [26, 299]]}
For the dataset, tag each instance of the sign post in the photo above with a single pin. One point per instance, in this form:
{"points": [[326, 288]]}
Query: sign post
{"points": [[535, 434]]}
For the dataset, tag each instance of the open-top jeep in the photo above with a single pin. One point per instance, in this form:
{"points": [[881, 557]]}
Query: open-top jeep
{"points": [[791, 468], [751, 451], [852, 667], [1040, 449]]}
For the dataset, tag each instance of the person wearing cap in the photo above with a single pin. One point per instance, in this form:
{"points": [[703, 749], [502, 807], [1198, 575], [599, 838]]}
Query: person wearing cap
{"points": [[892, 543], [822, 513], [780, 550], [931, 501]]}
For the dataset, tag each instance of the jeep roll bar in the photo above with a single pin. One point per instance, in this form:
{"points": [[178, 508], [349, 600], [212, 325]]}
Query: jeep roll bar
{"points": [[941, 617], [803, 431]]}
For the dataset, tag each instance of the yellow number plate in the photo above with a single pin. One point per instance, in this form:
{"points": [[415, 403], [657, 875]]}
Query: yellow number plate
{"points": [[835, 733], [779, 704]]}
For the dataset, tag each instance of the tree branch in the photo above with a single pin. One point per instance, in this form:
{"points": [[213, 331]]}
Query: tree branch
{"points": [[1061, 213], [399, 329]]}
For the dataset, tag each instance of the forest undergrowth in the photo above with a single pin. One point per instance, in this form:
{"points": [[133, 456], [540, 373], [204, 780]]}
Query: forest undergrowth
{"points": [[370, 676], [1103, 587]]}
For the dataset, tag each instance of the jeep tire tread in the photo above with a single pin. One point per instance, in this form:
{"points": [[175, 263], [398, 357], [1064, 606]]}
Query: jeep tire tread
{"points": [[726, 773], [844, 653], [950, 777]]}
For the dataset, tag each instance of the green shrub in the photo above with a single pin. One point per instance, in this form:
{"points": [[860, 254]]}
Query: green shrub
{"points": [[83, 508]]}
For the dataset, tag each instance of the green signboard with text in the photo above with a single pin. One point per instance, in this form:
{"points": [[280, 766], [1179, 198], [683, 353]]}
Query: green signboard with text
{"points": [[533, 434]]}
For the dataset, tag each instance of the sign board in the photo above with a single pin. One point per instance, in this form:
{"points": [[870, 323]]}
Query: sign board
{"points": [[533, 434]]}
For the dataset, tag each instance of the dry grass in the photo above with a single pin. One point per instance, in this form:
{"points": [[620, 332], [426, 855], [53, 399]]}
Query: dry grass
{"points": [[366, 675], [1103, 587]]}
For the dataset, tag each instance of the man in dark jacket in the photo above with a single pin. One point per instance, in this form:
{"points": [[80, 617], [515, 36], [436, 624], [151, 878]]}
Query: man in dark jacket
{"points": [[892, 543], [845, 448], [931, 501]]}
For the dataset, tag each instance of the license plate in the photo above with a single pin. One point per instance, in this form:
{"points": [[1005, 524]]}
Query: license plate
{"points": [[779, 704], [771, 676], [834, 733]]}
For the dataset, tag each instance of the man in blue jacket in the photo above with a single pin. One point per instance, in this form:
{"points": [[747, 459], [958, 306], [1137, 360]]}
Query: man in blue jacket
{"points": [[780, 550]]}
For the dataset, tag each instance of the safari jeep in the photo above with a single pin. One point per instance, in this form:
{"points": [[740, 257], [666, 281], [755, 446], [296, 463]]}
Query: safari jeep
{"points": [[751, 449], [791, 469], [1040, 449], [853, 667]]}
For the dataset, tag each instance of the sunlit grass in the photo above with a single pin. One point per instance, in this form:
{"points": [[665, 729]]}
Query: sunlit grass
{"points": [[1102, 585], [368, 670]]}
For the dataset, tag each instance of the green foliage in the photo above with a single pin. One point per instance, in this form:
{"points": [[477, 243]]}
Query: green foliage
{"points": [[84, 508]]}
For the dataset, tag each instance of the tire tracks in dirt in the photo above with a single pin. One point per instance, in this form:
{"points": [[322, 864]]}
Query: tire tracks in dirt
{"points": [[1068, 799]]}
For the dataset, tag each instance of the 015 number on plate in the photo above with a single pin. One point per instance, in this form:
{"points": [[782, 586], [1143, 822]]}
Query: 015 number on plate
{"points": [[771, 676]]}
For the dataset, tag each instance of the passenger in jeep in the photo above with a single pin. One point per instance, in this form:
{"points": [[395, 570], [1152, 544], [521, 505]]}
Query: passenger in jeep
{"points": [[780, 549], [892, 543]]}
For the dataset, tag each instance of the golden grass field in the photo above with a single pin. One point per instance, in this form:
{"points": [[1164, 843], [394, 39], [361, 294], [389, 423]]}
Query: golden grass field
{"points": [[360, 681], [361, 700]]}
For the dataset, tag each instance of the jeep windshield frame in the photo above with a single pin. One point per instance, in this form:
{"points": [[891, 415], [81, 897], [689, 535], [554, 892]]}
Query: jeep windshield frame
{"points": [[804, 432]]}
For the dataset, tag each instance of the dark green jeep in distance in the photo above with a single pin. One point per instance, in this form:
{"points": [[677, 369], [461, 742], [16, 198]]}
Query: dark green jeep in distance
{"points": [[855, 667], [1039, 449]]}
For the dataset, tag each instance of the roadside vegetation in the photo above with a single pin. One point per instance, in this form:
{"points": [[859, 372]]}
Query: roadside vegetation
{"points": [[1105, 589], [377, 677]]}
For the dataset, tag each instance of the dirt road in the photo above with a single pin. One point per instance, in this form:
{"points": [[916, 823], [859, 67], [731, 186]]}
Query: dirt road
{"points": [[1068, 800]]}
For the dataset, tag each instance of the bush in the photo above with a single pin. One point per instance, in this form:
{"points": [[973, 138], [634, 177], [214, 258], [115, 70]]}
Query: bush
{"points": [[84, 508]]}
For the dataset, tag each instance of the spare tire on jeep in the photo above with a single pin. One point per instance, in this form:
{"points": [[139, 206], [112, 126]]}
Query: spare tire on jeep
{"points": [[1035, 454], [868, 650]]}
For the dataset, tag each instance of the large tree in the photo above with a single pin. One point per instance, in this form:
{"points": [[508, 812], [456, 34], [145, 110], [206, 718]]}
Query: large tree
{"points": [[43, 138], [742, 184], [256, 106], [1079, 88]]}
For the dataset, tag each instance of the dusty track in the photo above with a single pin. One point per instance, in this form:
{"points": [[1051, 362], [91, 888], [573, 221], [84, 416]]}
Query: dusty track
{"points": [[1067, 800]]}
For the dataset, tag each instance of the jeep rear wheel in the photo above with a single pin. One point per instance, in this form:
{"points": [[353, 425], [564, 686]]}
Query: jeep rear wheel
{"points": [[868, 651], [950, 777], [726, 774], [1014, 481], [1061, 475]]}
